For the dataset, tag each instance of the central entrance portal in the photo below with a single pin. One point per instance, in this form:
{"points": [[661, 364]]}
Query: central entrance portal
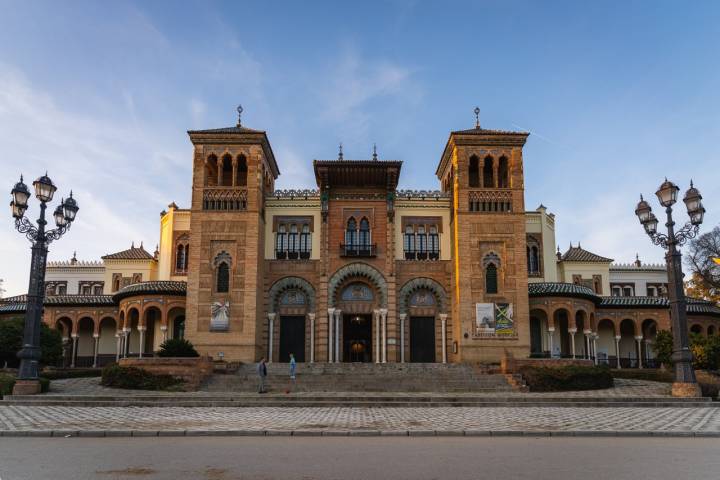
{"points": [[292, 337], [357, 338], [422, 339]]}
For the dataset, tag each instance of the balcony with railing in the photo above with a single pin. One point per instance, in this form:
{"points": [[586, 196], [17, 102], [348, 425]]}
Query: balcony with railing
{"points": [[422, 254], [224, 199], [286, 254], [358, 250]]}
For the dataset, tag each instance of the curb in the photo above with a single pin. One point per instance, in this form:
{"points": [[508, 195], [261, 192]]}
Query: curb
{"points": [[355, 433]]}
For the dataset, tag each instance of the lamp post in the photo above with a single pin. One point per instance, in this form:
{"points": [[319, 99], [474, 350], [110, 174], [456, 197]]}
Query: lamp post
{"points": [[28, 381], [685, 384]]}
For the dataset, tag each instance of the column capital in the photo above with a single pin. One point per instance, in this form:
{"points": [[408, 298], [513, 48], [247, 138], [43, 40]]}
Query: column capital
{"points": [[331, 311], [403, 316], [141, 328], [551, 329], [96, 335], [383, 311], [271, 316], [376, 311], [163, 327], [572, 330], [443, 316], [74, 335], [638, 338], [311, 316], [587, 331], [617, 338]]}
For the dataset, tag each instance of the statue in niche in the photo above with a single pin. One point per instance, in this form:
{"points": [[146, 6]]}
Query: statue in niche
{"points": [[220, 314]]}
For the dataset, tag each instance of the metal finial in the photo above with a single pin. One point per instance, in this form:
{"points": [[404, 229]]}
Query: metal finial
{"points": [[132, 244], [691, 184], [374, 152], [477, 117], [340, 152], [239, 110], [641, 198], [21, 178]]}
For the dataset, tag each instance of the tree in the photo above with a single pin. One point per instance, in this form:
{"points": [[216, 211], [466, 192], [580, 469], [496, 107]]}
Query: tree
{"points": [[177, 347], [663, 347], [11, 335], [705, 277]]}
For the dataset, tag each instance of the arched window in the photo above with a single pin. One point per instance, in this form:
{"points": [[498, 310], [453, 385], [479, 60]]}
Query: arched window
{"points": [[223, 278], [305, 244], [180, 258], [534, 263], [491, 281], [351, 233], [293, 245], [488, 181], [211, 171], [421, 242], [364, 233], [242, 169], [281, 242], [409, 242], [503, 179], [434, 244], [227, 171], [491, 263], [474, 172], [222, 272]]}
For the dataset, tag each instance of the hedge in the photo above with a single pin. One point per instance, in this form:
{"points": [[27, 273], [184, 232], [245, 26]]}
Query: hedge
{"points": [[567, 378], [59, 373], [665, 376], [7, 382], [137, 379]]}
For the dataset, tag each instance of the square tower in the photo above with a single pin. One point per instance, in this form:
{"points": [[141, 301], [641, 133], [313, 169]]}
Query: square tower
{"points": [[483, 171], [233, 169]]}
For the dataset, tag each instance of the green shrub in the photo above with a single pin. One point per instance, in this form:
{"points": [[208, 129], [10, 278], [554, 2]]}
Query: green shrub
{"points": [[59, 373], [663, 347], [566, 378], [177, 347], [11, 335], [665, 376], [6, 384], [136, 378], [44, 385], [710, 390], [706, 351]]}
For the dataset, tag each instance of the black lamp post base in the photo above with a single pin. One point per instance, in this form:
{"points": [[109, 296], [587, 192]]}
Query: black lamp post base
{"points": [[26, 387], [686, 390]]}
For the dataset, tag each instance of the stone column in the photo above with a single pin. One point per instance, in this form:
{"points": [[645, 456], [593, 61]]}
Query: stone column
{"points": [[338, 316], [271, 336], [551, 332], [219, 170], [617, 350], [141, 329], [96, 336], [376, 339], [126, 342], [164, 329], [572, 332], [383, 320], [403, 316], [587, 343], [594, 347], [311, 316], [443, 335], [118, 346], [234, 172], [331, 340], [74, 349], [638, 340]]}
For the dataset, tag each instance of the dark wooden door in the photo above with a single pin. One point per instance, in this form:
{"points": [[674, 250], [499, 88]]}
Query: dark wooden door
{"points": [[292, 338], [422, 339]]}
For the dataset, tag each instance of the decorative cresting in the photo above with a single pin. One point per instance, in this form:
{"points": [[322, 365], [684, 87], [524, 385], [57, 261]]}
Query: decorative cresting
{"points": [[491, 258], [416, 284], [291, 283], [355, 270]]}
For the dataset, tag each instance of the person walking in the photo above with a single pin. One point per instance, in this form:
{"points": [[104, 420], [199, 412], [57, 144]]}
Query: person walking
{"points": [[262, 374], [293, 366]]}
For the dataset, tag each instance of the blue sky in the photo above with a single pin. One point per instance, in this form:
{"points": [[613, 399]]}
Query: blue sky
{"points": [[616, 95]]}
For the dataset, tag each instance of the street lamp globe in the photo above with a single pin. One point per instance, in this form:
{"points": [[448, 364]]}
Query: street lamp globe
{"points": [[44, 189], [651, 224], [696, 217], [667, 193], [20, 194], [59, 215], [692, 198], [17, 210], [643, 210], [70, 208]]}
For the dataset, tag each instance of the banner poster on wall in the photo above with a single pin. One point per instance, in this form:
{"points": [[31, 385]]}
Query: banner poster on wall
{"points": [[485, 318], [504, 323]]}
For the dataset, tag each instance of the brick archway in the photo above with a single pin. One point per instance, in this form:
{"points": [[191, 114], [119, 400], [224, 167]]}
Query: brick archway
{"points": [[357, 270]]}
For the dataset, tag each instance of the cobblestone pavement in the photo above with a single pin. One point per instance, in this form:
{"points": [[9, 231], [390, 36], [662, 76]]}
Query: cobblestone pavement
{"points": [[455, 419], [623, 388]]}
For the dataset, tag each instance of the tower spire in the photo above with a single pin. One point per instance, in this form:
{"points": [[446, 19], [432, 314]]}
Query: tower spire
{"points": [[340, 152], [375, 157], [239, 111], [477, 117]]}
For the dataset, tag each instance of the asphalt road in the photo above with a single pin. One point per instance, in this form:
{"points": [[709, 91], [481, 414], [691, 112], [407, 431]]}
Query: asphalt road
{"points": [[376, 458]]}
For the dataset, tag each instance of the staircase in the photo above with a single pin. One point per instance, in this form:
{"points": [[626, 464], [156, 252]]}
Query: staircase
{"points": [[363, 377]]}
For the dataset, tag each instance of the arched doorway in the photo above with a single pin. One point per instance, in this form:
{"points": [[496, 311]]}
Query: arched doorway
{"points": [[153, 318], [132, 338], [649, 332], [107, 344], [606, 343], [562, 323], [176, 323], [423, 307], [357, 326], [291, 305], [538, 327], [85, 349], [628, 344]]}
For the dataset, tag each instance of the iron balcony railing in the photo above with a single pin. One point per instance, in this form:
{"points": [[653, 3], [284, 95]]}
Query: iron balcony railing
{"points": [[292, 254], [422, 255], [358, 250]]}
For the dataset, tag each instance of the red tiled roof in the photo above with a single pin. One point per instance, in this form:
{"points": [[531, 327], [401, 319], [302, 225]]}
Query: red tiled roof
{"points": [[132, 253], [578, 254]]}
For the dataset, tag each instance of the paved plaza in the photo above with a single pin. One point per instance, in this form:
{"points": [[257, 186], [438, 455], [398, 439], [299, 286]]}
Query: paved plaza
{"points": [[102, 421]]}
